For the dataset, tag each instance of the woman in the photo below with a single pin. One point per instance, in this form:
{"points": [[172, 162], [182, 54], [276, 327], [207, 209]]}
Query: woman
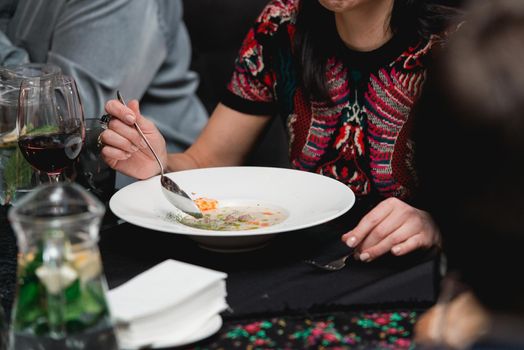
{"points": [[344, 75]]}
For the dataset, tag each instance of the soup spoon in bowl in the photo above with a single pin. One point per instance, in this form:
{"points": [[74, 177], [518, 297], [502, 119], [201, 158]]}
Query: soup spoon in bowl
{"points": [[174, 194]]}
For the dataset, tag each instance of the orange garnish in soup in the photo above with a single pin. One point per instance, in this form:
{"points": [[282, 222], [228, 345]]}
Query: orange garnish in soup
{"points": [[206, 204]]}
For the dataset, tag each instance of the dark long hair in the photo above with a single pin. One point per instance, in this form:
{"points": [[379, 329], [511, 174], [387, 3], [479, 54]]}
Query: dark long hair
{"points": [[316, 36]]}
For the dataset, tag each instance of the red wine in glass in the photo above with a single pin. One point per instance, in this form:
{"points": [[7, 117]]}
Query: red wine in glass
{"points": [[51, 153], [50, 124]]}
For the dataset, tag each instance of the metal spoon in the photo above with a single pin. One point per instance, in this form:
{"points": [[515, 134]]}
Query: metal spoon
{"points": [[174, 194]]}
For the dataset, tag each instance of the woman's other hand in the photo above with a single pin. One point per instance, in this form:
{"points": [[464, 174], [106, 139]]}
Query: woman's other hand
{"points": [[124, 149], [392, 226]]}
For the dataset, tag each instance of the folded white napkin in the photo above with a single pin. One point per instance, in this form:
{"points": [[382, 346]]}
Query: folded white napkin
{"points": [[167, 303]]}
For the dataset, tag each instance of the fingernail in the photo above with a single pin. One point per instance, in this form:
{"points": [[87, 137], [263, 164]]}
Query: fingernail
{"points": [[364, 256], [351, 242], [130, 118], [128, 155], [134, 148], [396, 250], [143, 144]]}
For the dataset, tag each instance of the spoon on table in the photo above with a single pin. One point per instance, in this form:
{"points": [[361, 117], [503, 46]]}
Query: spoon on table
{"points": [[174, 194]]}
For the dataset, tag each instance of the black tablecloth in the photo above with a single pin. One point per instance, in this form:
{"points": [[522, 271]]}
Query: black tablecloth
{"points": [[270, 281], [275, 278]]}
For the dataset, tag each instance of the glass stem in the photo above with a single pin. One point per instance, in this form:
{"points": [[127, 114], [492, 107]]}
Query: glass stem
{"points": [[54, 178]]}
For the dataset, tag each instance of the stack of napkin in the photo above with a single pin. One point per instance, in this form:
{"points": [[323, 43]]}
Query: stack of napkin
{"points": [[168, 305]]}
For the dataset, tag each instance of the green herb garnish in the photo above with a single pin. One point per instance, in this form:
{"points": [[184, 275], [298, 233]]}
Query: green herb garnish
{"points": [[17, 174]]}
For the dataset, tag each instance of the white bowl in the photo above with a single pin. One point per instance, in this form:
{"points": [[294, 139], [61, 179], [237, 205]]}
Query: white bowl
{"points": [[309, 199]]}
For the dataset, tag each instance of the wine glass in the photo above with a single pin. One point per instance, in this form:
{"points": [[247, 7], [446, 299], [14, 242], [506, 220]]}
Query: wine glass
{"points": [[50, 124], [17, 177]]}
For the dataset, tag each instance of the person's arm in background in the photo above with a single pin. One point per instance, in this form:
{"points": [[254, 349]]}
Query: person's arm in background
{"points": [[90, 41], [10, 54], [171, 100]]}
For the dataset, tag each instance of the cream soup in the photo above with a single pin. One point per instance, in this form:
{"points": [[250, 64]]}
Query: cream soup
{"points": [[236, 218]]}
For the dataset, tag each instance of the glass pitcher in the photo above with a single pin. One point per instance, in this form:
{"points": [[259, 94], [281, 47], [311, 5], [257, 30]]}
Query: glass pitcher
{"points": [[60, 301], [16, 175]]}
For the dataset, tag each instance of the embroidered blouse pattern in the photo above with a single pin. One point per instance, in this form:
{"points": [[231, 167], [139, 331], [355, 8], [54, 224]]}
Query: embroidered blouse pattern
{"points": [[363, 138]]}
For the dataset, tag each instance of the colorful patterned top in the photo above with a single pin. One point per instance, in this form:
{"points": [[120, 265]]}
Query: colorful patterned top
{"points": [[362, 140]]}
